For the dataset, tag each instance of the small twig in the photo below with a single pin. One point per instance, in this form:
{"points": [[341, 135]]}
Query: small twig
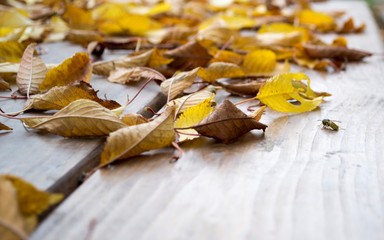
{"points": [[141, 89], [179, 154], [149, 109], [91, 229], [21, 235], [14, 97]]}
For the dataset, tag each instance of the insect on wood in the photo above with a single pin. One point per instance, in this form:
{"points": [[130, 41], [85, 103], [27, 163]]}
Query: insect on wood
{"points": [[329, 124]]}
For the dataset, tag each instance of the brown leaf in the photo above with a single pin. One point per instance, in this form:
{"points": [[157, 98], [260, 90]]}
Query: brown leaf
{"points": [[4, 85], [4, 127], [176, 85], [74, 69], [245, 86], [134, 74], [59, 97], [342, 53], [133, 140], [227, 123], [81, 118], [31, 72], [350, 27], [189, 56]]}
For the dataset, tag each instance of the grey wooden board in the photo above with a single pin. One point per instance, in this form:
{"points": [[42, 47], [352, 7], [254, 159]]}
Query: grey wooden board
{"points": [[298, 181], [53, 162]]}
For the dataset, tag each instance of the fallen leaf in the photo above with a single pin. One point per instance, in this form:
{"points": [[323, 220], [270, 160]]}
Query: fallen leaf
{"points": [[11, 51], [32, 71], [342, 53], [282, 28], [218, 70], [177, 84], [4, 127], [4, 85], [192, 116], [279, 91], [133, 119], [81, 118], [227, 123], [9, 67], [59, 97], [189, 56], [259, 62], [350, 27], [134, 74], [133, 140], [245, 86], [77, 18], [227, 21], [316, 20], [193, 99], [13, 18], [75, 69]]}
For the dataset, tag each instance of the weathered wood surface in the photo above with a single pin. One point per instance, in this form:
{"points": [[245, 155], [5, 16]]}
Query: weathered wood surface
{"points": [[298, 181], [53, 162]]}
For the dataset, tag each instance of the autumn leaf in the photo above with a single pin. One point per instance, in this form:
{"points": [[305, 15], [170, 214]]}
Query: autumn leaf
{"points": [[190, 117], [259, 62], [350, 27], [31, 72], [279, 91], [13, 18], [81, 118], [77, 18], [134, 74], [218, 70], [227, 21], [177, 84], [227, 123], [4, 127], [193, 99], [189, 56], [133, 119], [316, 20], [74, 69], [281, 28], [342, 53], [245, 86], [59, 97], [20, 205], [4, 85], [133, 140], [11, 51]]}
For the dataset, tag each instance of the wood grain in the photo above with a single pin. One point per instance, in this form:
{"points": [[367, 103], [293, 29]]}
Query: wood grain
{"points": [[297, 181], [53, 162]]}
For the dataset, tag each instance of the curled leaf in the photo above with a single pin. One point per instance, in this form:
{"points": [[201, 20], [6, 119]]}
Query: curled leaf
{"points": [[4, 85], [227, 123], [342, 53], [134, 74], [280, 91], [193, 99], [31, 72], [59, 97], [80, 118], [133, 140], [245, 86], [191, 117], [176, 85], [4, 127], [75, 69]]}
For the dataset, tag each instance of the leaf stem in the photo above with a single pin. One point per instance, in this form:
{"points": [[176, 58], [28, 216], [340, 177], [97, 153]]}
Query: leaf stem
{"points": [[179, 154], [141, 89], [14, 97]]}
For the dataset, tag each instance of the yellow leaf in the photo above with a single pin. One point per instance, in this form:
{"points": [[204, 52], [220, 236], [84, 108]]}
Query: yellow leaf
{"points": [[227, 21], [133, 140], [193, 99], [177, 84], [77, 18], [259, 62], [218, 70], [74, 69], [226, 56], [11, 51], [133, 119], [31, 72], [279, 92], [4, 85], [218, 35], [80, 118], [317, 20], [285, 28], [191, 116], [134, 74], [13, 18], [158, 59]]}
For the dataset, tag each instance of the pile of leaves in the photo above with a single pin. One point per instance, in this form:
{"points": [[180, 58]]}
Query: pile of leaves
{"points": [[243, 47]]}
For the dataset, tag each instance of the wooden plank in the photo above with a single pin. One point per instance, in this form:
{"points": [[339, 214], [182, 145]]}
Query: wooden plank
{"points": [[53, 162], [298, 181]]}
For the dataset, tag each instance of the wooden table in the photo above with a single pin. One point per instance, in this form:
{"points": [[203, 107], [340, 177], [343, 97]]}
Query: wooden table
{"points": [[297, 181]]}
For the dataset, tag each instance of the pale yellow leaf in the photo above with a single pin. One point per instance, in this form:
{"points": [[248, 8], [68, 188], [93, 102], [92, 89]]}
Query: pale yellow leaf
{"points": [[259, 62], [134, 74], [133, 140], [193, 99], [177, 84], [13, 18], [11, 51], [218, 70], [80, 118]]}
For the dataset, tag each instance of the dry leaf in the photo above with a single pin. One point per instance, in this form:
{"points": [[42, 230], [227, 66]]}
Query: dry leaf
{"points": [[11, 51], [218, 70], [75, 69], [59, 97], [192, 116], [227, 21], [280, 27], [193, 99], [32, 71], [77, 18], [133, 140], [189, 56], [342, 53], [177, 84], [81, 118], [13, 18], [4, 85], [279, 92], [133, 119], [349, 27], [316, 20], [246, 86], [135, 74], [258, 113], [4, 127], [259, 62], [227, 123]]}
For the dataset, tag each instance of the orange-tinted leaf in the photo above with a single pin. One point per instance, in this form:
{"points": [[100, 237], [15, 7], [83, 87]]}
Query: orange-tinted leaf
{"points": [[342, 53]]}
